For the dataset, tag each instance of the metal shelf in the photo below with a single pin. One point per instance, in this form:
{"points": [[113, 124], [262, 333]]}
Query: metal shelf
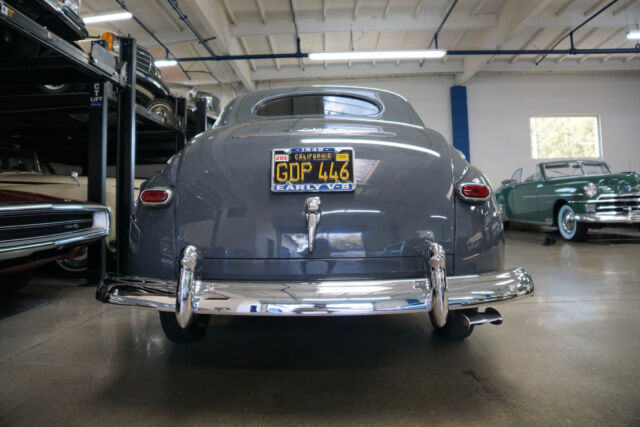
{"points": [[98, 113], [71, 57]]}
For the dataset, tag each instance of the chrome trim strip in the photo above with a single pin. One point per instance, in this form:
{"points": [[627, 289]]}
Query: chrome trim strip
{"points": [[18, 248], [320, 132], [610, 207], [632, 217], [44, 224], [336, 298], [526, 221], [620, 195], [62, 206], [611, 199]]}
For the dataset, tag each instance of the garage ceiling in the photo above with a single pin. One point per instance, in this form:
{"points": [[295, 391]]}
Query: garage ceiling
{"points": [[266, 26]]}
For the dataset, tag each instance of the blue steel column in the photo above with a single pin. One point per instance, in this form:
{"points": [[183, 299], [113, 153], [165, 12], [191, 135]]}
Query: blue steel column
{"points": [[460, 119]]}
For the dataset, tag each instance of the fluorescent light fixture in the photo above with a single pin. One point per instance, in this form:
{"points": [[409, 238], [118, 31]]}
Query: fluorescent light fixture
{"points": [[107, 18], [633, 34], [377, 54], [165, 62]]}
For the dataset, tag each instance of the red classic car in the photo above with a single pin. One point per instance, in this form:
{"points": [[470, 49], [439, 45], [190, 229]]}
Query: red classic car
{"points": [[36, 229]]}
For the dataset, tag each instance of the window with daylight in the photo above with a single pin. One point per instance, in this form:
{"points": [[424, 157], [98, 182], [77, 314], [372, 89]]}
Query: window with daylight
{"points": [[565, 137]]}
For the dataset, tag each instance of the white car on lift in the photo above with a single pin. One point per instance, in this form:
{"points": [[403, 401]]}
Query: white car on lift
{"points": [[22, 169]]}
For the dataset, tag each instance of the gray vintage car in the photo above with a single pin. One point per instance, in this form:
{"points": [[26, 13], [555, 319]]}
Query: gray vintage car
{"points": [[317, 201]]}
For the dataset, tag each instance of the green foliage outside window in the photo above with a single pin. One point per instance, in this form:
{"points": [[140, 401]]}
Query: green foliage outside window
{"points": [[554, 137]]}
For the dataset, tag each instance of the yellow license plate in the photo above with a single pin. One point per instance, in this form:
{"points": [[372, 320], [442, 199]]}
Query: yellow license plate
{"points": [[312, 169]]}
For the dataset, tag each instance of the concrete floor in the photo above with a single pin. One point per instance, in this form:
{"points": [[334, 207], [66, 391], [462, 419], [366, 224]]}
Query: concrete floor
{"points": [[569, 355]]}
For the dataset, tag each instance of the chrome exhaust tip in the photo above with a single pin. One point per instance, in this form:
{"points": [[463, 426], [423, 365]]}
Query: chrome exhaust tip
{"points": [[472, 318]]}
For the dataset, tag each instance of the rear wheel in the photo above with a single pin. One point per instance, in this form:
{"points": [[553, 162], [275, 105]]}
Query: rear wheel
{"points": [[569, 228], [457, 327], [194, 332]]}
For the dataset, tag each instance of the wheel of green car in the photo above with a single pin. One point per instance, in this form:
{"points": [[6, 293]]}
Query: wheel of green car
{"points": [[194, 332], [569, 228]]}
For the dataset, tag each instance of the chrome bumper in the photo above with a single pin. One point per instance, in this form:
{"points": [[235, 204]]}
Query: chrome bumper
{"points": [[436, 293], [630, 217]]}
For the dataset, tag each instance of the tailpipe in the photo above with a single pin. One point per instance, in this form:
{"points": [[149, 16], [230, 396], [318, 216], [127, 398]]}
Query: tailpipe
{"points": [[471, 318]]}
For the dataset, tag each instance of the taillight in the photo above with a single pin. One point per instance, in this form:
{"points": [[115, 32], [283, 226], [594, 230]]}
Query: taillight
{"points": [[473, 192], [156, 196]]}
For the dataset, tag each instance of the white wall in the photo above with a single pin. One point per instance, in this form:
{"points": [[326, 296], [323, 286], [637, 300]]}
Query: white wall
{"points": [[500, 107]]}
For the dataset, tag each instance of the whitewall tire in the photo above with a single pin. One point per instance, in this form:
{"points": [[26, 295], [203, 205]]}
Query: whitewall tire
{"points": [[569, 228]]}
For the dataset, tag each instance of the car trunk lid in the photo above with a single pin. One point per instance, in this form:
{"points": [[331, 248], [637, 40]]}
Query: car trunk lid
{"points": [[402, 201]]}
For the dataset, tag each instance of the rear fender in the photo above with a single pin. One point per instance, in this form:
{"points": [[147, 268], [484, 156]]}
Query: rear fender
{"points": [[479, 233], [152, 249]]}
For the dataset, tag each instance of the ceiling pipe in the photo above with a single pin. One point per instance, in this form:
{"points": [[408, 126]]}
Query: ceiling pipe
{"points": [[201, 40], [295, 26], [545, 51], [244, 57], [635, 50], [144, 27], [570, 34], [434, 39]]}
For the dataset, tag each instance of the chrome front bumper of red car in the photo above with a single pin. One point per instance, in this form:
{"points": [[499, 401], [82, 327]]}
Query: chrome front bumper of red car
{"points": [[435, 293]]}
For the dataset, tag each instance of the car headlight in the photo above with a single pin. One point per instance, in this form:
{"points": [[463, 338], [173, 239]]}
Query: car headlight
{"points": [[591, 190]]}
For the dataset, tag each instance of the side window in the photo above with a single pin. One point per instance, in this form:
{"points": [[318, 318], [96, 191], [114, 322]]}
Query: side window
{"points": [[537, 176], [317, 104], [517, 175]]}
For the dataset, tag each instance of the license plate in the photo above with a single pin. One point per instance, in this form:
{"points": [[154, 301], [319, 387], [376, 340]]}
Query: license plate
{"points": [[308, 169]]}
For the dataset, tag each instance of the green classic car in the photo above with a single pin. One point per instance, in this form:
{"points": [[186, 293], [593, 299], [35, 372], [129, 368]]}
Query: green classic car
{"points": [[573, 195]]}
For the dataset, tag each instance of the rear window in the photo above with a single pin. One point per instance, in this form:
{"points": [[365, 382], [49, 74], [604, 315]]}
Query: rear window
{"points": [[318, 104]]}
